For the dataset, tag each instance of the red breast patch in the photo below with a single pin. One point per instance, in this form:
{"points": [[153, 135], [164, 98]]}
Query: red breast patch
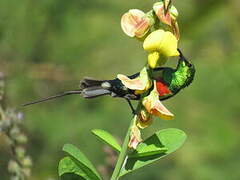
{"points": [[162, 88]]}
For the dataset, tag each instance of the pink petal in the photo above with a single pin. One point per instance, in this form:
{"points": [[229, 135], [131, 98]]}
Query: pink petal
{"points": [[163, 112], [134, 84]]}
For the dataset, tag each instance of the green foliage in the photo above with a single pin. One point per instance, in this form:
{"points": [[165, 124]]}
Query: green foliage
{"points": [[71, 176], [69, 167], [159, 145], [79, 164], [107, 138], [171, 139], [150, 146]]}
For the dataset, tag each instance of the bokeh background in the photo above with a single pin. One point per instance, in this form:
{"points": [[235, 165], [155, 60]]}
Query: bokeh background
{"points": [[47, 46]]}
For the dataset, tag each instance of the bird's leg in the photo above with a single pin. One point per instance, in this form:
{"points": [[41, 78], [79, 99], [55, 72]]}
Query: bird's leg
{"points": [[131, 106]]}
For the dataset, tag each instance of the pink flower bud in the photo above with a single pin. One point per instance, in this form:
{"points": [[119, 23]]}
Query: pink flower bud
{"points": [[163, 16], [135, 135], [135, 23]]}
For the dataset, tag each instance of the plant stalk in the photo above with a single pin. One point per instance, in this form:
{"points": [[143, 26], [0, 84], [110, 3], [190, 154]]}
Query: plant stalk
{"points": [[123, 154]]}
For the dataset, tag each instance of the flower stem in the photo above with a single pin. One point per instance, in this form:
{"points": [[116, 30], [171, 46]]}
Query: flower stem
{"points": [[123, 153]]}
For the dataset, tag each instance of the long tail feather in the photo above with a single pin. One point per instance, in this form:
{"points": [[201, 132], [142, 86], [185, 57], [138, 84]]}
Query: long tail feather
{"points": [[89, 88], [92, 88], [89, 82], [93, 92], [53, 97]]}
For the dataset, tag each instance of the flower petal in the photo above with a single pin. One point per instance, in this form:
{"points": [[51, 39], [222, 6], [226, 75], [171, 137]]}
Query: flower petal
{"points": [[155, 107], [175, 29], [161, 111], [141, 83], [166, 4], [135, 23], [162, 41], [159, 9], [135, 84], [135, 136], [153, 58], [144, 119]]}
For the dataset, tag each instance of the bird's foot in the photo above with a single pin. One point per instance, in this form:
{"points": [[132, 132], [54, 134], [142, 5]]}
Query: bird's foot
{"points": [[131, 106]]}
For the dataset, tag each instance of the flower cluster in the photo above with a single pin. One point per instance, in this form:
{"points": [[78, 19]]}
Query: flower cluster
{"points": [[158, 30]]}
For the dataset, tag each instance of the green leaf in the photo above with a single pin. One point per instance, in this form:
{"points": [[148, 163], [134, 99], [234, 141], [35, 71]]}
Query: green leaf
{"points": [[150, 146], [68, 166], [107, 138], [172, 139], [70, 176], [83, 163]]}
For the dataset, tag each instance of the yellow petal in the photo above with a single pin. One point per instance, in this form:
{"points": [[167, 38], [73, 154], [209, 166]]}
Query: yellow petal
{"points": [[144, 119], [153, 58], [162, 41], [153, 40], [169, 45]]}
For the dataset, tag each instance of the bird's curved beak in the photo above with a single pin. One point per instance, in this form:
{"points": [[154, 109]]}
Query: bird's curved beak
{"points": [[182, 58]]}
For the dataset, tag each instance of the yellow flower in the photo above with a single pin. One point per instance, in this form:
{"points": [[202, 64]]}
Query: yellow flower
{"points": [[144, 119], [141, 83], [160, 44], [153, 59], [135, 23], [155, 107]]}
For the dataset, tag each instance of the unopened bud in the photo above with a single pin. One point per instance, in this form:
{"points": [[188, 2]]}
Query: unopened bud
{"points": [[20, 152], [26, 171], [4, 124], [166, 4], [165, 17], [135, 136], [14, 132], [13, 166], [27, 161], [173, 12], [21, 139], [15, 177]]}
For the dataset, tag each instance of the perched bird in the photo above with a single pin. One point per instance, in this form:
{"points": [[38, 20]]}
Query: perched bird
{"points": [[169, 82]]}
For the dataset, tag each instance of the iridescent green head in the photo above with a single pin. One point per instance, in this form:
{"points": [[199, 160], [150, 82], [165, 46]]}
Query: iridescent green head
{"points": [[178, 78], [185, 71]]}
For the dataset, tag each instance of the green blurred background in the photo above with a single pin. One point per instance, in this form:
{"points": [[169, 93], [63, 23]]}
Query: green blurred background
{"points": [[47, 46]]}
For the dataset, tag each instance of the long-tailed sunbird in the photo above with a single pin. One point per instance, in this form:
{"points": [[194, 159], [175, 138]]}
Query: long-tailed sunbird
{"points": [[169, 82]]}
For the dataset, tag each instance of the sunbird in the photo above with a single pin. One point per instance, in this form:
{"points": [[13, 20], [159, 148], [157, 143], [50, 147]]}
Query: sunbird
{"points": [[169, 82]]}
